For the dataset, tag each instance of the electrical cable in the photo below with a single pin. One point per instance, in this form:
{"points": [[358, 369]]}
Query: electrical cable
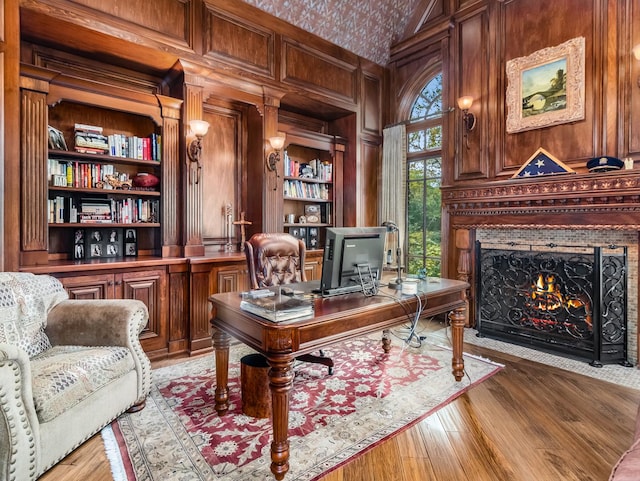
{"points": [[412, 318]]}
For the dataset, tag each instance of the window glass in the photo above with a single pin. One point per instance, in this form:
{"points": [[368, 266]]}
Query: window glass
{"points": [[424, 177], [429, 101]]}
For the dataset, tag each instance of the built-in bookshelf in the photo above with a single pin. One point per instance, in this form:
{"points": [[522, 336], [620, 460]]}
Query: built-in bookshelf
{"points": [[308, 190], [103, 172]]}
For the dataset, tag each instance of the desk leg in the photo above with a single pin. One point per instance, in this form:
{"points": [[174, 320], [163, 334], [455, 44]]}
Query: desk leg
{"points": [[457, 318], [221, 346], [280, 382]]}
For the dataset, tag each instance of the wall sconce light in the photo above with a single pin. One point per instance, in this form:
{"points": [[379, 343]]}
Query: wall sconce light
{"points": [[468, 118], [277, 143], [199, 129], [636, 53]]}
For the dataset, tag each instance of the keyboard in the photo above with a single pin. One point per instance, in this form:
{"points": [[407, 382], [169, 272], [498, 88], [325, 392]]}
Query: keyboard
{"points": [[338, 291]]}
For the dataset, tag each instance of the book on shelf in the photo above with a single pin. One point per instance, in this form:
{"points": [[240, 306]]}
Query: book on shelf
{"points": [[278, 308], [92, 129], [94, 218], [304, 190], [134, 147], [89, 139], [89, 205], [62, 209]]}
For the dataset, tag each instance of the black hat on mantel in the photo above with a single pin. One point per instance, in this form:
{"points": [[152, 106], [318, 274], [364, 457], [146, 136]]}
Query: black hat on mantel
{"points": [[604, 164]]}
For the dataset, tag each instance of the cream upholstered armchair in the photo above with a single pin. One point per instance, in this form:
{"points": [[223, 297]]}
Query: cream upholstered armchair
{"points": [[67, 369]]}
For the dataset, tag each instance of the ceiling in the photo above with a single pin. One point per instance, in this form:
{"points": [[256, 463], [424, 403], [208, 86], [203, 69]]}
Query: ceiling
{"points": [[367, 28]]}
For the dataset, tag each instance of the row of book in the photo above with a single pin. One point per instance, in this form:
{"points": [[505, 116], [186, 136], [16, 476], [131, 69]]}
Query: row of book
{"points": [[141, 148], [64, 173], [305, 190], [64, 209], [89, 139], [315, 169]]}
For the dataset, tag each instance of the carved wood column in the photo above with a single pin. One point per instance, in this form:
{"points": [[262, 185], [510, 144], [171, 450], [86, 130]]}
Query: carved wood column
{"points": [[463, 245], [338, 183], [193, 98], [9, 137], [34, 229], [172, 217], [272, 211]]}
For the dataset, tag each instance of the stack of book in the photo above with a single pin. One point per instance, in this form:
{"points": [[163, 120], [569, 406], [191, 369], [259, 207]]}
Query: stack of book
{"points": [[278, 308], [89, 139], [95, 211]]}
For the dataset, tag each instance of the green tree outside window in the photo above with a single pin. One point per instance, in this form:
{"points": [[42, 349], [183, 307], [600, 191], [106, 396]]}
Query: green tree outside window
{"points": [[424, 178]]}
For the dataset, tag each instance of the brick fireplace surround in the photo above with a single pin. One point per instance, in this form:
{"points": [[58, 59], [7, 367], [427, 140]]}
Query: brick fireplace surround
{"points": [[568, 209]]}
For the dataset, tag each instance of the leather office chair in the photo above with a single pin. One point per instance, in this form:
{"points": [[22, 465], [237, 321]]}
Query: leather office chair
{"points": [[277, 259]]}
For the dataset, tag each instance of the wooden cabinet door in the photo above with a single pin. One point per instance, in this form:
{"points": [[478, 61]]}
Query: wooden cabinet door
{"points": [[313, 266], [150, 287], [231, 278], [100, 286]]}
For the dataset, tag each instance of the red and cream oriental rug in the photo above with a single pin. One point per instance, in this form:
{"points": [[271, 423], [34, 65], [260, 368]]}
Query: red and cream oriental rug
{"points": [[370, 397]]}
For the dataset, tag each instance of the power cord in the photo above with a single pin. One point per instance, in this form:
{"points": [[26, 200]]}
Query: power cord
{"points": [[410, 338]]}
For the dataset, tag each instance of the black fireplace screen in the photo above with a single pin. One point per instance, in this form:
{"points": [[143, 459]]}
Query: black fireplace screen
{"points": [[566, 302]]}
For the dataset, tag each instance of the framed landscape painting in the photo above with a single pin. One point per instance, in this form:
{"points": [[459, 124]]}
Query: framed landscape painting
{"points": [[546, 88]]}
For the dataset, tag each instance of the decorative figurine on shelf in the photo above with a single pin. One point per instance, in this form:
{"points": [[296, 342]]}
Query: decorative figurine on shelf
{"points": [[242, 223], [628, 163], [114, 182]]}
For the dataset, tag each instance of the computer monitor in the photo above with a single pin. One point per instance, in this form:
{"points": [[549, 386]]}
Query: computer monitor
{"points": [[349, 254]]}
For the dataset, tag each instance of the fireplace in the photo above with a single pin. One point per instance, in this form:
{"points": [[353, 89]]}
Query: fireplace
{"points": [[569, 300], [585, 208]]}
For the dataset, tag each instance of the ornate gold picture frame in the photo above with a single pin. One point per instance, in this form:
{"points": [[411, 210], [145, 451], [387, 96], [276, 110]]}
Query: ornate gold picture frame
{"points": [[547, 87]]}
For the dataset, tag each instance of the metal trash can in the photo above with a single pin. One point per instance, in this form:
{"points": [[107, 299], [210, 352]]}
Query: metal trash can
{"points": [[254, 386]]}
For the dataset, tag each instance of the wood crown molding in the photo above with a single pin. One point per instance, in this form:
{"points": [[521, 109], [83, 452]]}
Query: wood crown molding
{"points": [[583, 197]]}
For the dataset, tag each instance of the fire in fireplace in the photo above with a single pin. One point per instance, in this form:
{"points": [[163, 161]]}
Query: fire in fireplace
{"points": [[570, 303]]}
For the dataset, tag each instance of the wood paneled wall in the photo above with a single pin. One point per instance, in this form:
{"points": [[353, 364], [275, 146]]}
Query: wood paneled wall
{"points": [[230, 59], [482, 37]]}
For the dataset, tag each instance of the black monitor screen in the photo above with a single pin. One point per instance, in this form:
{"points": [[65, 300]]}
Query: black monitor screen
{"points": [[349, 254]]}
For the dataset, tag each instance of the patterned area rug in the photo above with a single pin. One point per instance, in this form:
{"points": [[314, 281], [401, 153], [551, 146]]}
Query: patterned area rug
{"points": [[370, 397]]}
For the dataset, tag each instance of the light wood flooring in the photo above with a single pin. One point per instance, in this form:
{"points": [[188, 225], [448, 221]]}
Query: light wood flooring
{"points": [[529, 422]]}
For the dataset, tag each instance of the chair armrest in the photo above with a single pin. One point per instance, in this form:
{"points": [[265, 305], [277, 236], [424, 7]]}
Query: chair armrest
{"points": [[19, 426], [97, 322], [103, 322]]}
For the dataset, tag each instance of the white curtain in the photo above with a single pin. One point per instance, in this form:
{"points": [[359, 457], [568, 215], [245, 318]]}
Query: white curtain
{"points": [[392, 201]]}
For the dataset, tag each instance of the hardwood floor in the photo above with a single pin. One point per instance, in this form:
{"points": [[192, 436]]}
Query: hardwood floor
{"points": [[529, 422]]}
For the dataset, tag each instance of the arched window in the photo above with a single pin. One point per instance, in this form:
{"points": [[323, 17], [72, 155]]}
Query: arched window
{"points": [[424, 177]]}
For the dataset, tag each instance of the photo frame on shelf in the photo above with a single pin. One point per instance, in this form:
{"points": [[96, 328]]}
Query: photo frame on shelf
{"points": [[130, 242], [313, 238], [102, 243], [299, 233], [312, 209], [78, 245], [56, 139], [312, 213], [547, 87]]}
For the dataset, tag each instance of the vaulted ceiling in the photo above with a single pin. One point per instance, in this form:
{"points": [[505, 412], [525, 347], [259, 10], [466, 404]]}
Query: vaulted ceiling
{"points": [[367, 28]]}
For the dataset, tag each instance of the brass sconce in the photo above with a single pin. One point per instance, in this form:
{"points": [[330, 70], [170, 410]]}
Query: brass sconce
{"points": [[199, 129], [277, 143], [636, 53], [468, 118]]}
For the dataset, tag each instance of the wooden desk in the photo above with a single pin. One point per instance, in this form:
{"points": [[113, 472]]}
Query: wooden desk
{"points": [[335, 319]]}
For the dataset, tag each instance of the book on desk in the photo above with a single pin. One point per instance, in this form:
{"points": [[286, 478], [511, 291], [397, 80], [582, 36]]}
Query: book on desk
{"points": [[278, 308]]}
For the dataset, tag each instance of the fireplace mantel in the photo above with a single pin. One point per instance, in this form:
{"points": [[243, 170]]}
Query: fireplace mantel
{"points": [[606, 204], [608, 200]]}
